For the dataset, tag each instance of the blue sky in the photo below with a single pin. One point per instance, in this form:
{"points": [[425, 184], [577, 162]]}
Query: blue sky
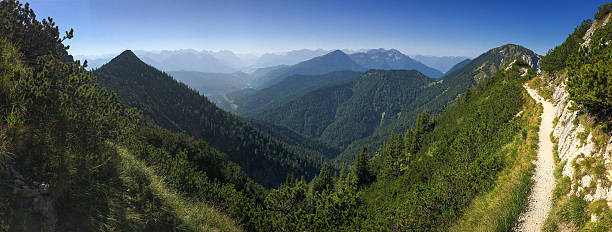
{"points": [[462, 28]]}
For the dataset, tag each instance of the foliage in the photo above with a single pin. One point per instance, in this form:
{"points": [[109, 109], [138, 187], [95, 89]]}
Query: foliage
{"points": [[499, 209], [603, 11], [56, 124], [34, 38], [426, 187], [362, 169], [323, 181], [590, 75]]}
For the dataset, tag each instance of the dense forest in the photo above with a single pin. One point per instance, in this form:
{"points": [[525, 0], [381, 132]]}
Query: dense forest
{"points": [[342, 113], [248, 102]]}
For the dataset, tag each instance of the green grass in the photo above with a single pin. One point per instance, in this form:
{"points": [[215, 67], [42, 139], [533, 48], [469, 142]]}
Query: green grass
{"points": [[574, 210], [498, 209], [194, 215]]}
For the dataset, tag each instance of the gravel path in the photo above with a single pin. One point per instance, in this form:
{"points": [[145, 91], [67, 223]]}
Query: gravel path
{"points": [[541, 193]]}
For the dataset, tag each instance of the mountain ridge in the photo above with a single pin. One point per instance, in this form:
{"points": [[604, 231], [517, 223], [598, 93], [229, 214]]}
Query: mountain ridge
{"points": [[333, 61]]}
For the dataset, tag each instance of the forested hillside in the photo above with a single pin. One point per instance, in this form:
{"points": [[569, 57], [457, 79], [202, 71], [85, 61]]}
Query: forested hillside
{"points": [[439, 97], [340, 113], [61, 166], [175, 106], [426, 176], [253, 102], [364, 111]]}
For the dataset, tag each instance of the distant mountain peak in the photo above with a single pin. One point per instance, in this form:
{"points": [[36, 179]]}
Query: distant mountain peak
{"points": [[382, 50], [128, 54], [336, 52], [126, 57], [509, 52]]}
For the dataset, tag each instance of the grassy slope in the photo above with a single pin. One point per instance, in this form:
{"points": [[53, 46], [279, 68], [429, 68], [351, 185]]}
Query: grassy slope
{"points": [[193, 215], [460, 160], [439, 96], [498, 209]]}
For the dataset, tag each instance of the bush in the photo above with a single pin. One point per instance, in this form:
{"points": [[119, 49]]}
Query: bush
{"points": [[603, 10]]}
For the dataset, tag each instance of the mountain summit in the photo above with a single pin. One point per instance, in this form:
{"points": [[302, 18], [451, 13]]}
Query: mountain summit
{"points": [[126, 56]]}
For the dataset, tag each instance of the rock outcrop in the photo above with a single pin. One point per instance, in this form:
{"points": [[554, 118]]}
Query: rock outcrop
{"points": [[577, 149], [34, 198]]}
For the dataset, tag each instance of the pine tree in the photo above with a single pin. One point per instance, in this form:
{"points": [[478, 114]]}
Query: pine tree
{"points": [[361, 167], [324, 180]]}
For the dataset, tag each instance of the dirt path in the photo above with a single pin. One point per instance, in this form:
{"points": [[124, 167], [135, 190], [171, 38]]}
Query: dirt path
{"points": [[541, 193]]}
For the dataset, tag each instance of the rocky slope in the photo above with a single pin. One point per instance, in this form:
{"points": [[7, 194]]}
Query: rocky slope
{"points": [[582, 153]]}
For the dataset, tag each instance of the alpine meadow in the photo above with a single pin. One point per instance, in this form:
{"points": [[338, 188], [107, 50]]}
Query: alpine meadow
{"points": [[305, 116]]}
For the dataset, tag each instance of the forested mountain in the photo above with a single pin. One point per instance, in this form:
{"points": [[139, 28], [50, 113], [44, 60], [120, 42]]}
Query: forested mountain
{"points": [[260, 72], [325, 112], [175, 106], [293, 138], [330, 62], [427, 176], [392, 59], [438, 97], [344, 112], [252, 102], [211, 83]]}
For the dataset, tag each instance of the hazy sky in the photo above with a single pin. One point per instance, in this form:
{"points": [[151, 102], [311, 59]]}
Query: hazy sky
{"points": [[465, 28]]}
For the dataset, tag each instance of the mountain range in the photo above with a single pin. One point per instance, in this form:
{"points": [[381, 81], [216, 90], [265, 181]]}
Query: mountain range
{"points": [[392, 60], [225, 61], [323, 109]]}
